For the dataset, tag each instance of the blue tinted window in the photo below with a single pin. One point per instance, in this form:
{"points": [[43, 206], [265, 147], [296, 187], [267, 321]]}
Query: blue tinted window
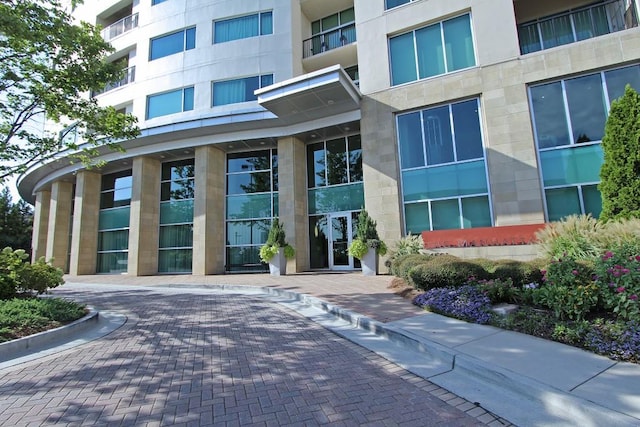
{"points": [[388, 4], [242, 27], [238, 90], [172, 43], [170, 102], [154, 2], [437, 49]]}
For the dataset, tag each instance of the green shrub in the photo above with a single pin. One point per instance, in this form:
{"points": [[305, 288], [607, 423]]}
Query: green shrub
{"points": [[442, 271], [11, 262], [39, 277], [568, 272], [499, 290], [408, 245], [576, 236], [619, 180], [568, 302], [401, 266], [276, 240], [22, 316], [367, 234]]}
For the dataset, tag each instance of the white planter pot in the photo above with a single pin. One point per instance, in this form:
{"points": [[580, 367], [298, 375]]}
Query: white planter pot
{"points": [[369, 263], [278, 264]]}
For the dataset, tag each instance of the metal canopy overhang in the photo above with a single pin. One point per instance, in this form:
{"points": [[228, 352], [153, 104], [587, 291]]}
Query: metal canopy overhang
{"points": [[322, 93]]}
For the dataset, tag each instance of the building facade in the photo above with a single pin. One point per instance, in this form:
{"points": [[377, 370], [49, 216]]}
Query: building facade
{"points": [[431, 114]]}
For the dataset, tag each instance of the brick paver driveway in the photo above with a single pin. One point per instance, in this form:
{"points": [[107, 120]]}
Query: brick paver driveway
{"points": [[215, 359]]}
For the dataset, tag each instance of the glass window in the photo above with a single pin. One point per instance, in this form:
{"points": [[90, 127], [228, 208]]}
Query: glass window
{"points": [[458, 43], [337, 171], [242, 27], [450, 189], [169, 44], [402, 53], [433, 50], [569, 117], [154, 2], [172, 102], [430, 53], [316, 171], [529, 38], [551, 124], [355, 158], [251, 202], [586, 108], [113, 222], [238, 90], [388, 4]]}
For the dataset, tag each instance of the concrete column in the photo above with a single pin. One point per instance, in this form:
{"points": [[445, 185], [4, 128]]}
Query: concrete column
{"points": [[86, 213], [40, 224], [381, 175], [59, 224], [208, 211], [292, 196], [145, 217]]}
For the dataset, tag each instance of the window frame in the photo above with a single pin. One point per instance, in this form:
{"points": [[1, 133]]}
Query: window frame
{"points": [[443, 57], [185, 42], [261, 84], [259, 32], [183, 99]]}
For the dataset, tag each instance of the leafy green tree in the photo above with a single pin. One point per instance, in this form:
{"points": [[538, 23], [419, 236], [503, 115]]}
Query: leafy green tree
{"points": [[16, 223], [620, 172], [47, 64]]}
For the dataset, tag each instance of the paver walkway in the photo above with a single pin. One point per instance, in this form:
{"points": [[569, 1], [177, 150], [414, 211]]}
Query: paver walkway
{"points": [[216, 359]]}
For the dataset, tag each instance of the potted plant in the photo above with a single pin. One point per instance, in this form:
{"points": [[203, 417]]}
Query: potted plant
{"points": [[367, 246], [276, 250]]}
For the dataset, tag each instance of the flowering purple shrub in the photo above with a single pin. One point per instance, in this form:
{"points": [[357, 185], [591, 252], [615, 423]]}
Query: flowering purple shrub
{"points": [[617, 340], [566, 271], [465, 302], [618, 278]]}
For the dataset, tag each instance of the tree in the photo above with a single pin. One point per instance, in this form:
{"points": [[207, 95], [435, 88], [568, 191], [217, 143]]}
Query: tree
{"points": [[16, 223], [620, 172], [47, 65]]}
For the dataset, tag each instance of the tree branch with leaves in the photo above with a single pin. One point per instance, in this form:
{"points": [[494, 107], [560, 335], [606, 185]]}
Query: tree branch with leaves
{"points": [[48, 66]]}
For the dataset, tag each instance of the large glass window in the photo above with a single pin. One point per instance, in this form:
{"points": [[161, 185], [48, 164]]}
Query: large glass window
{"points": [[239, 90], [569, 118], [169, 44], [252, 202], [177, 191], [258, 24], [444, 176], [113, 222], [603, 17], [176, 101], [433, 50]]}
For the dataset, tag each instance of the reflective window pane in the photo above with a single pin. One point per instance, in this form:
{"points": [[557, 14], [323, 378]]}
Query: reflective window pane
{"points": [[592, 200], [355, 159], [417, 217], [445, 214], [176, 236], [430, 51], [245, 162], [255, 182], [175, 260], [562, 202], [336, 199], [403, 59], [466, 125], [112, 219], [176, 212], [410, 140], [316, 165], [252, 232], [587, 108], [617, 80], [572, 165], [476, 212], [319, 242], [549, 114], [337, 161], [437, 135], [458, 43]]}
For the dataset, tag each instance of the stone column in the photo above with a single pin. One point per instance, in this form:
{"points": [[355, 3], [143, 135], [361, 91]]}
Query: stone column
{"points": [[40, 224], [86, 213], [145, 217], [292, 199], [381, 175], [208, 211], [59, 224]]}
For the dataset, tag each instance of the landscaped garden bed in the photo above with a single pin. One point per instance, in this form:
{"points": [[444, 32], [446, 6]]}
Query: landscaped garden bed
{"points": [[582, 291]]}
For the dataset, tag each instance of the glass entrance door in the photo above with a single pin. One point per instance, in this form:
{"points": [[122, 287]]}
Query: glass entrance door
{"points": [[341, 234]]}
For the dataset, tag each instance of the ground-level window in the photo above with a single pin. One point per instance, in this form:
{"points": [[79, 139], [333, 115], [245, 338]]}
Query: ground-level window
{"points": [[335, 196], [252, 202], [443, 167], [177, 191], [113, 222], [568, 119]]}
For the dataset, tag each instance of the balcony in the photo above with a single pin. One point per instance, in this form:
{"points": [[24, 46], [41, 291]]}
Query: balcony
{"points": [[122, 26], [329, 40], [129, 77], [576, 24]]}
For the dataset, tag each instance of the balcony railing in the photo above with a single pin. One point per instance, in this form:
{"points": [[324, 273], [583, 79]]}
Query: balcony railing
{"points": [[328, 40], [127, 23], [129, 77], [578, 24]]}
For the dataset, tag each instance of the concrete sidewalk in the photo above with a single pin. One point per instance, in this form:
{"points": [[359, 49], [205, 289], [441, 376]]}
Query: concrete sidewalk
{"points": [[524, 379]]}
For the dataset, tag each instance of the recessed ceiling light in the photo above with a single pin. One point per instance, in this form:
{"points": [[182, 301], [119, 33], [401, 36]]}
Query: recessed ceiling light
{"points": [[262, 142], [330, 101], [313, 135], [230, 145]]}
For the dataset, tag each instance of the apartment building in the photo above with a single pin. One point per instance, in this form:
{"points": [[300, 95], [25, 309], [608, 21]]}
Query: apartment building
{"points": [[431, 114]]}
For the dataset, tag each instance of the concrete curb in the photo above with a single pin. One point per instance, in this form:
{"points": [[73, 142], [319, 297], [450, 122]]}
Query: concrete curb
{"points": [[9, 349]]}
